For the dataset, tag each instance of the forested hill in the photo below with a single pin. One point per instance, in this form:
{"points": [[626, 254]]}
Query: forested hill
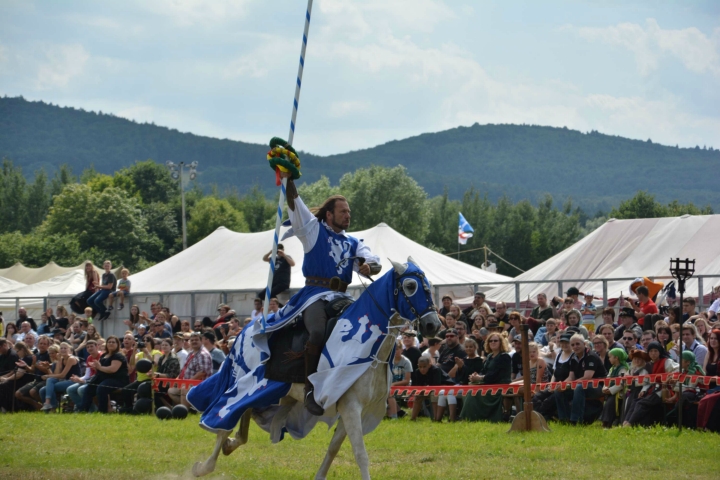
{"points": [[596, 170]]}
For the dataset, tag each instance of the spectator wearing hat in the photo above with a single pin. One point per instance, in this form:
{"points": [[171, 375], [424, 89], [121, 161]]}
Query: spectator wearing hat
{"points": [[638, 366], [446, 303], [282, 274], [612, 409], [588, 310], [181, 342], [573, 293], [628, 321], [410, 351], [495, 370], [544, 401], [648, 407], [451, 350], [584, 365]]}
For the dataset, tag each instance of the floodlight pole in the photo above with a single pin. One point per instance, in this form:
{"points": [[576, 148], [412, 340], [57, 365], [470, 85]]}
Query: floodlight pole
{"points": [[182, 201]]}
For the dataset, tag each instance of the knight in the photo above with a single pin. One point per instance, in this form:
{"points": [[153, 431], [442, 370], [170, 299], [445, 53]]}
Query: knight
{"points": [[331, 255]]}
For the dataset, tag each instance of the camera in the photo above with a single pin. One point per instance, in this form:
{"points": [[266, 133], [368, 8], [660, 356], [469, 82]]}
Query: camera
{"points": [[141, 345]]}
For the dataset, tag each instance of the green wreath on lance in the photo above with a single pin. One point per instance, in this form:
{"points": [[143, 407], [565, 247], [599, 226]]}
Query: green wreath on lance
{"points": [[283, 158]]}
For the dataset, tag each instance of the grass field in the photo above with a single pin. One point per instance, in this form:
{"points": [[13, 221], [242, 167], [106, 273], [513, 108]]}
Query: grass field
{"points": [[37, 446]]}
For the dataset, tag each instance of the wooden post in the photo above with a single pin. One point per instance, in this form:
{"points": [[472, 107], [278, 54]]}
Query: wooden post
{"points": [[528, 420]]}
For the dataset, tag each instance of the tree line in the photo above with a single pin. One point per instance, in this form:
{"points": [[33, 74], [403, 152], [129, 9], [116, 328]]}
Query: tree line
{"points": [[133, 217]]}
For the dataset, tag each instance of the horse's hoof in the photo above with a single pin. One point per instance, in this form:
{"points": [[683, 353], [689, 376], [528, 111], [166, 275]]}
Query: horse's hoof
{"points": [[200, 469], [229, 446]]}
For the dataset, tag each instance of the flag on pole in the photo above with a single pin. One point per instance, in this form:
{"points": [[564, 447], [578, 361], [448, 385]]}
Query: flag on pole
{"points": [[465, 231]]}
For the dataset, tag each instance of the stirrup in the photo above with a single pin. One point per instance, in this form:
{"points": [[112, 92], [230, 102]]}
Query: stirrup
{"points": [[311, 405]]}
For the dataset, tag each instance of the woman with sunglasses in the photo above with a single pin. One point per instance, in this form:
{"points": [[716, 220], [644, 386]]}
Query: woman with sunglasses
{"points": [[496, 370]]}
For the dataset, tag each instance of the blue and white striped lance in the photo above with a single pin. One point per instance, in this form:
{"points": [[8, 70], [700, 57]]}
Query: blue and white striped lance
{"points": [[291, 135]]}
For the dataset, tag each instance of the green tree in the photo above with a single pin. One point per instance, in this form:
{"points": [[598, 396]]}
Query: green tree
{"points": [[644, 205], [109, 221], [13, 198], [314, 194], [149, 181], [256, 209], [390, 195], [210, 213], [38, 201]]}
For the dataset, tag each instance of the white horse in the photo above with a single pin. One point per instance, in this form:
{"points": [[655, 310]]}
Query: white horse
{"points": [[369, 392]]}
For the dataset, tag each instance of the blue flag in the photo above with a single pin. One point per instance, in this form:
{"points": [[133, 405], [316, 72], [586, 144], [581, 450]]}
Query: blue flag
{"points": [[465, 231]]}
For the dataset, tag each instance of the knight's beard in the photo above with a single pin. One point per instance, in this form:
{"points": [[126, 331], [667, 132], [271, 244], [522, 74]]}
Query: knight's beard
{"points": [[338, 226]]}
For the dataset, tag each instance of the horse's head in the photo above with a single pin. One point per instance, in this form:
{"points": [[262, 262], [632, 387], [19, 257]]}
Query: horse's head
{"points": [[413, 297]]}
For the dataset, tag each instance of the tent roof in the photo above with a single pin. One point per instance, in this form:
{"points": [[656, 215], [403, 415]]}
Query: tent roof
{"points": [[626, 248], [7, 284], [28, 275], [67, 283], [227, 260]]}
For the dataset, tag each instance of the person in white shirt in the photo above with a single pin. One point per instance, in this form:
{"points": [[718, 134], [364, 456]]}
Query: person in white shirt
{"points": [[179, 348], [258, 312]]}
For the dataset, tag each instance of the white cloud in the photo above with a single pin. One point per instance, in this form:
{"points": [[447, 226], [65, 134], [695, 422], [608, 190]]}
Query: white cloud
{"points": [[59, 65], [695, 50], [188, 13]]}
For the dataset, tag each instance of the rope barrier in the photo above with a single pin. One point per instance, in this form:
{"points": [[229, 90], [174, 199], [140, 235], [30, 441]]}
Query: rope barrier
{"points": [[474, 390]]}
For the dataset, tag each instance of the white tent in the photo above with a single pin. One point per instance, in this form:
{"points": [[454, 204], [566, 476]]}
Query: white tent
{"points": [[627, 248], [32, 296], [227, 260], [28, 275], [8, 284]]}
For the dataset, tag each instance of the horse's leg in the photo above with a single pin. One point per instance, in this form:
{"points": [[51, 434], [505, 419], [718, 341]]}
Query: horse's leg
{"points": [[333, 450], [280, 417], [200, 469], [241, 437], [351, 414]]}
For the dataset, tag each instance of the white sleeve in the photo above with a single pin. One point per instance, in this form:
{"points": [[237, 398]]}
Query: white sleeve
{"points": [[715, 306], [305, 225], [86, 377], [364, 252]]}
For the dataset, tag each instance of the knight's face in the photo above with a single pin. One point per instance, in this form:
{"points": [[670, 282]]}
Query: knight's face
{"points": [[339, 218]]}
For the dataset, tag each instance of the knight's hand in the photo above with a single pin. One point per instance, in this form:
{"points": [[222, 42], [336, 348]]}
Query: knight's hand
{"points": [[364, 269]]}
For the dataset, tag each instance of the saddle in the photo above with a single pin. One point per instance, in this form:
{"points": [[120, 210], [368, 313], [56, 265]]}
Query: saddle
{"points": [[287, 346]]}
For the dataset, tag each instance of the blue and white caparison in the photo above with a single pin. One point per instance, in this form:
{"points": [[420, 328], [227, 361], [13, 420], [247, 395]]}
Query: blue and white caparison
{"points": [[351, 349]]}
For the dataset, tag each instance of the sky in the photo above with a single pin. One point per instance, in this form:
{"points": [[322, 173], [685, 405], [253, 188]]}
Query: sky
{"points": [[375, 70]]}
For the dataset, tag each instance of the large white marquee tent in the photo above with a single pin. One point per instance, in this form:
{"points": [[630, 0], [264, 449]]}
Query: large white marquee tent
{"points": [[627, 249]]}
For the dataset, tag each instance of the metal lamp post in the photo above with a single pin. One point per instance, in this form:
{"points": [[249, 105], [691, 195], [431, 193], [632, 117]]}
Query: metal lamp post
{"points": [[176, 171], [681, 270]]}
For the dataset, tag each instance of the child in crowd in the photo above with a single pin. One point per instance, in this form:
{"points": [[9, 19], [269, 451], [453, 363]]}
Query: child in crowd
{"points": [[123, 290], [588, 312]]}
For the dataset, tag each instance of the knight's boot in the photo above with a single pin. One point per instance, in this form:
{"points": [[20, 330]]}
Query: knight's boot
{"points": [[312, 358]]}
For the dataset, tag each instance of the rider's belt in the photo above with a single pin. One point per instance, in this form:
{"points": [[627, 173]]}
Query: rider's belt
{"points": [[334, 283]]}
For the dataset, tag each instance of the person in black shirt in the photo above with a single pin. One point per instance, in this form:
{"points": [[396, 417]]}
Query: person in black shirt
{"points": [[112, 373], [8, 373], [410, 351], [584, 365], [22, 317], [450, 351], [281, 277], [107, 286], [427, 375]]}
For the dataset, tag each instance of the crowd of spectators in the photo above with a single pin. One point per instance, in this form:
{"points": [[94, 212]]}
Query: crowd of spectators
{"points": [[570, 339], [64, 364]]}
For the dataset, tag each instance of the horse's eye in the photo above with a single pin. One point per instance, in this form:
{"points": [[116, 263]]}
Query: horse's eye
{"points": [[410, 287]]}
